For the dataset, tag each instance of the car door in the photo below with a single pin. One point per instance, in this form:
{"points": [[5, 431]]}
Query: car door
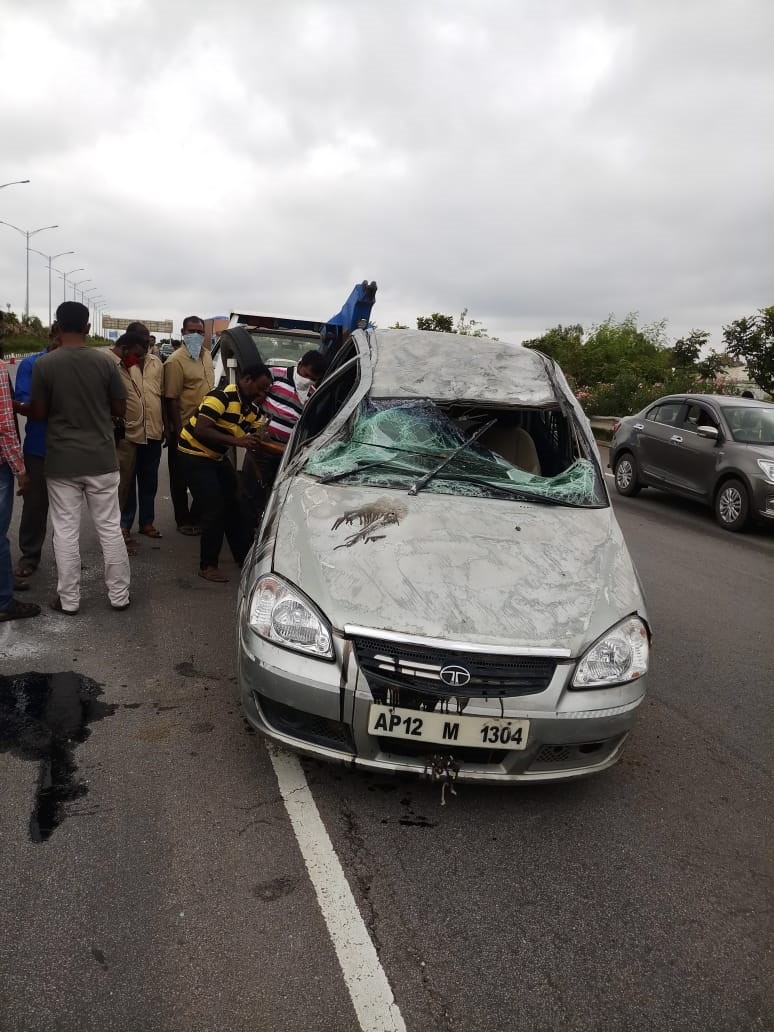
{"points": [[656, 440], [693, 458]]}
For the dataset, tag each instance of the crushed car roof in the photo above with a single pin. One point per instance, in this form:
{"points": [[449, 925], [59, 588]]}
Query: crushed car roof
{"points": [[453, 366]]}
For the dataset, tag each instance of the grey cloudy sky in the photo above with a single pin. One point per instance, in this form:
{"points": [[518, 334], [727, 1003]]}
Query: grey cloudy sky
{"points": [[536, 161]]}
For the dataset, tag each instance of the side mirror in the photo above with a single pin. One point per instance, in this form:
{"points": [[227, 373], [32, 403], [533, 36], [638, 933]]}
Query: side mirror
{"points": [[710, 432]]}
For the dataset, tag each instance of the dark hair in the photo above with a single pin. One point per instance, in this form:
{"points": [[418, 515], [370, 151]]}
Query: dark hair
{"points": [[192, 318], [138, 327], [72, 317], [315, 361], [256, 371], [126, 340]]}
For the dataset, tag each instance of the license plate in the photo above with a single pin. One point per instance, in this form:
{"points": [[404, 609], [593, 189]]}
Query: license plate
{"points": [[447, 728]]}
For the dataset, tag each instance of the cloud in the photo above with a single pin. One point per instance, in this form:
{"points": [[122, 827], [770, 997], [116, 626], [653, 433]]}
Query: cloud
{"points": [[534, 163]]}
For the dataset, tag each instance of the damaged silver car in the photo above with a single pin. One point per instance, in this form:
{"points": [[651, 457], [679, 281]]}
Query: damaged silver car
{"points": [[439, 584]]}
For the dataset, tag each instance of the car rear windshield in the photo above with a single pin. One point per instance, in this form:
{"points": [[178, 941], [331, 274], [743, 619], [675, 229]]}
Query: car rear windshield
{"points": [[417, 445], [751, 425], [283, 350]]}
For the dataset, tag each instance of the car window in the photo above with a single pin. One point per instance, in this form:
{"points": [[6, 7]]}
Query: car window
{"points": [[326, 402], [751, 424], [395, 443], [666, 412], [697, 415]]}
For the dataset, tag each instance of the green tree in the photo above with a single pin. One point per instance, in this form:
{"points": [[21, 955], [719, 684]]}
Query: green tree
{"points": [[398, 326], [686, 350], [438, 322], [470, 327], [752, 338]]}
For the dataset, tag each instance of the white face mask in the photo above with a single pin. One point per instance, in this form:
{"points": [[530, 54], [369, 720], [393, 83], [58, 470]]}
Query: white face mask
{"points": [[303, 385], [193, 341]]}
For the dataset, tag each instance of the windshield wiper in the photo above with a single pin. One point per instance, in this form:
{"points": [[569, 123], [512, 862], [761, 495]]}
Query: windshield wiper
{"points": [[417, 486]]}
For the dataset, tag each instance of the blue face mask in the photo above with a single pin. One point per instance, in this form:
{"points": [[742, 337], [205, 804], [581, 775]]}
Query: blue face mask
{"points": [[193, 341]]}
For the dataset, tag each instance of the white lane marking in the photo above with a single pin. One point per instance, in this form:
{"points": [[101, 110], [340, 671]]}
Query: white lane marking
{"points": [[364, 975]]}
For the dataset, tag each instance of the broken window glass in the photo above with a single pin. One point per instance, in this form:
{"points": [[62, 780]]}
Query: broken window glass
{"points": [[392, 444]]}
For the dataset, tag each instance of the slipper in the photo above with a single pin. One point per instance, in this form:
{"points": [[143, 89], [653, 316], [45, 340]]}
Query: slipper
{"points": [[212, 573], [24, 569], [188, 530], [149, 531], [56, 605], [18, 611], [20, 585]]}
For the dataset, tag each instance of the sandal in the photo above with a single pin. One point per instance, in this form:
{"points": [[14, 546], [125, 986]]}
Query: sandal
{"points": [[19, 611], [149, 531], [188, 530], [131, 544], [56, 605], [212, 573]]}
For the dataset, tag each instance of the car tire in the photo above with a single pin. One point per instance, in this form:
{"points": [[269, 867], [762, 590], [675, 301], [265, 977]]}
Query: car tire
{"points": [[627, 481], [732, 505]]}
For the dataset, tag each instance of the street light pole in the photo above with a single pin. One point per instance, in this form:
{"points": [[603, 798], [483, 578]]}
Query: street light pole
{"points": [[27, 233], [75, 285], [51, 258], [64, 276]]}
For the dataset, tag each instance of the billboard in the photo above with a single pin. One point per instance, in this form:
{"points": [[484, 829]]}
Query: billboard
{"points": [[109, 322]]}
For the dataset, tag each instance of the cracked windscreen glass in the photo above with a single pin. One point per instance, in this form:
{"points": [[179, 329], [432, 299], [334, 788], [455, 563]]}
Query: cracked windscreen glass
{"points": [[392, 444]]}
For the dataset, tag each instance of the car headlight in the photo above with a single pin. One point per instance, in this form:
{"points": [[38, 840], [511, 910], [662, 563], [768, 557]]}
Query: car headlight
{"points": [[283, 615], [768, 469], [619, 656]]}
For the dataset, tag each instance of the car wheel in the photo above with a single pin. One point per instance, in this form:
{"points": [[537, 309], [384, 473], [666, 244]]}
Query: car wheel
{"points": [[732, 505], [626, 479]]}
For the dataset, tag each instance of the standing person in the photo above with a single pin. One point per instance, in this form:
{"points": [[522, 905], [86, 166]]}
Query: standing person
{"points": [[81, 394], [188, 376], [145, 482], [228, 417], [128, 353], [287, 396], [11, 468], [34, 517]]}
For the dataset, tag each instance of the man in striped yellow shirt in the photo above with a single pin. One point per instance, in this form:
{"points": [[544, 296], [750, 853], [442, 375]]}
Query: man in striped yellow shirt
{"points": [[228, 417]]}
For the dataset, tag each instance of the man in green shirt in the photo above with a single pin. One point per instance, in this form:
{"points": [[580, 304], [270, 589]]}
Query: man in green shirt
{"points": [[81, 394]]}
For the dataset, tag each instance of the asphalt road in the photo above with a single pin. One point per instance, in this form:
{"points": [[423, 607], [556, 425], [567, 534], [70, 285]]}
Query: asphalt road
{"points": [[172, 894]]}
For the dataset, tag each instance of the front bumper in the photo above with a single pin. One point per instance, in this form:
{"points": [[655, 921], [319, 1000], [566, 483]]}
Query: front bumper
{"points": [[321, 709]]}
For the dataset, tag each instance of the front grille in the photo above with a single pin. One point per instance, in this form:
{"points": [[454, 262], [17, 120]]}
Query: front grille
{"points": [[306, 726], [396, 671]]}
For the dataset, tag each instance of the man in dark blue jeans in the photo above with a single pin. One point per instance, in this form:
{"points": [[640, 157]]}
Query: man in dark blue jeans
{"points": [[34, 517], [12, 473]]}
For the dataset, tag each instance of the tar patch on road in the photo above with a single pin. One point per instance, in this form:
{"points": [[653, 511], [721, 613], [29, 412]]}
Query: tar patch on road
{"points": [[43, 717]]}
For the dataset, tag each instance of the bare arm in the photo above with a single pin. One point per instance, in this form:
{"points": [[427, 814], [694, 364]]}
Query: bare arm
{"points": [[207, 432]]}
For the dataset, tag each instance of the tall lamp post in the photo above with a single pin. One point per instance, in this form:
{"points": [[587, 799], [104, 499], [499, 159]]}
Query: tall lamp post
{"points": [[64, 276], [50, 258], [16, 182], [76, 285], [27, 233]]}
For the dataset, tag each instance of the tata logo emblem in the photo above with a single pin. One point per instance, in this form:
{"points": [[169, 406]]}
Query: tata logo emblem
{"points": [[455, 676]]}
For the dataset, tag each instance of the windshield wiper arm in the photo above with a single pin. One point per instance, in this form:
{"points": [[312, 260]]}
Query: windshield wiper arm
{"points": [[425, 480]]}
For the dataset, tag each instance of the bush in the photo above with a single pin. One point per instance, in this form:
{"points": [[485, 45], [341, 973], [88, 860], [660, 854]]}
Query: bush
{"points": [[627, 394]]}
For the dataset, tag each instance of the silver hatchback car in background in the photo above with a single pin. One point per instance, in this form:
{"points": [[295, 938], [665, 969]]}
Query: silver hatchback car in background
{"points": [[439, 584], [714, 448]]}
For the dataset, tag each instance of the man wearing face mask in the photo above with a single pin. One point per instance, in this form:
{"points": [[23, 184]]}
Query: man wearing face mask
{"points": [[290, 389], [128, 353], [188, 376]]}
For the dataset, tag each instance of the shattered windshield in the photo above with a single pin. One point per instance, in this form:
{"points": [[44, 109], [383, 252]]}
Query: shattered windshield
{"points": [[397, 443]]}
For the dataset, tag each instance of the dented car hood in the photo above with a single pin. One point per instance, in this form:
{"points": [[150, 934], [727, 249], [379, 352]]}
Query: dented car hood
{"points": [[483, 571]]}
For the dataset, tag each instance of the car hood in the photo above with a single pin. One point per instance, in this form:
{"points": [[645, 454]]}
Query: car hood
{"points": [[474, 570]]}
